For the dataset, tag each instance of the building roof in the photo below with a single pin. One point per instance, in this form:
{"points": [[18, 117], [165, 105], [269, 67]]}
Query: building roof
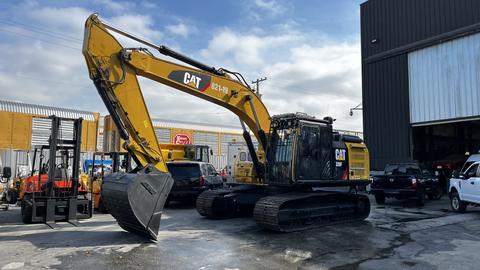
{"points": [[165, 123], [42, 110]]}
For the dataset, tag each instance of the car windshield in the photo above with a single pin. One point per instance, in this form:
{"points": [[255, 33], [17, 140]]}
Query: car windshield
{"points": [[181, 170], [402, 169]]}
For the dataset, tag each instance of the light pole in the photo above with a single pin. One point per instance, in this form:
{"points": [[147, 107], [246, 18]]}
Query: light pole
{"points": [[359, 107]]}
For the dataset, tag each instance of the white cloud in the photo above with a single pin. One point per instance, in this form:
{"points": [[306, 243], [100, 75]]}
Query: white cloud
{"points": [[139, 25], [179, 29], [320, 77], [271, 6], [115, 5], [228, 48]]}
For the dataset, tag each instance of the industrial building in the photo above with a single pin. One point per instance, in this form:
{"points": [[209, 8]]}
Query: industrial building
{"points": [[420, 70], [25, 126]]}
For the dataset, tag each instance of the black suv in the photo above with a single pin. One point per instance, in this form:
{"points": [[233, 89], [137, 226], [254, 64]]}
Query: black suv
{"points": [[192, 178], [406, 180]]}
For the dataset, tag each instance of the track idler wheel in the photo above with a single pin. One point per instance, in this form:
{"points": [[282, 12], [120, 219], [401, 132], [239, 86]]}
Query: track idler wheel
{"points": [[136, 200]]}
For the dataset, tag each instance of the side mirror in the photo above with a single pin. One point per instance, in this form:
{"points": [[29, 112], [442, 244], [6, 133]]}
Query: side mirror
{"points": [[7, 172], [463, 176], [211, 152], [455, 174]]}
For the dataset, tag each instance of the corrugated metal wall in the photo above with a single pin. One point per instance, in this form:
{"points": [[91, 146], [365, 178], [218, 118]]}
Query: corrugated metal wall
{"points": [[163, 135], [385, 110], [207, 138], [394, 24], [445, 81], [41, 131]]}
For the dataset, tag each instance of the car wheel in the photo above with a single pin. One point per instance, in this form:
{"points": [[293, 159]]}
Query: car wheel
{"points": [[458, 205], [26, 210], [380, 198], [421, 198], [436, 194]]}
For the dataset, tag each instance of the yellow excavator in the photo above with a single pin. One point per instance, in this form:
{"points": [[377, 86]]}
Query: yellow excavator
{"points": [[295, 155]]}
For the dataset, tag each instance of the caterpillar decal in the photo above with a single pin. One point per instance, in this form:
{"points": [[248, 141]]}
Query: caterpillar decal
{"points": [[193, 79]]}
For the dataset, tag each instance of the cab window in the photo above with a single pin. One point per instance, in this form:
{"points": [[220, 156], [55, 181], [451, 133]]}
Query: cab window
{"points": [[211, 170], [472, 171], [466, 166]]}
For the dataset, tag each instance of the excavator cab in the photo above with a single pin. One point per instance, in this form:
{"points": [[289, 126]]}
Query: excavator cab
{"points": [[300, 150]]}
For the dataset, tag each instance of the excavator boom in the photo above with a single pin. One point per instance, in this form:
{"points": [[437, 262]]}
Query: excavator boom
{"points": [[136, 199]]}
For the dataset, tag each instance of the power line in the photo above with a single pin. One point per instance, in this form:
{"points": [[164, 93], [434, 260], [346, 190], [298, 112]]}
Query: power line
{"points": [[50, 81], [42, 30], [37, 38]]}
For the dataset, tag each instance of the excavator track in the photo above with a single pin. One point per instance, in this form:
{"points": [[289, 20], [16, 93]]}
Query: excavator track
{"points": [[230, 202], [216, 204], [301, 211]]}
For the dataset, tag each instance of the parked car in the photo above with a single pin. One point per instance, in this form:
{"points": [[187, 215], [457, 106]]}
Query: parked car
{"points": [[464, 187], [192, 178], [406, 180]]}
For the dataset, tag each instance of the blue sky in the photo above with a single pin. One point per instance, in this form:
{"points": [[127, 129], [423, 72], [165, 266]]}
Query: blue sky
{"points": [[309, 50]]}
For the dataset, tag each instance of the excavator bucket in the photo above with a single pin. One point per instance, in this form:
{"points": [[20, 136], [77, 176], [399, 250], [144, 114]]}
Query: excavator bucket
{"points": [[136, 200]]}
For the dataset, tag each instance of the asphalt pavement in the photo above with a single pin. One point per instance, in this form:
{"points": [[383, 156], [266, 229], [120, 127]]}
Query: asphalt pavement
{"points": [[399, 235]]}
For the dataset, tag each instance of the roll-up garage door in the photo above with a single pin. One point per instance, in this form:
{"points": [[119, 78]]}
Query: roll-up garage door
{"points": [[444, 81]]}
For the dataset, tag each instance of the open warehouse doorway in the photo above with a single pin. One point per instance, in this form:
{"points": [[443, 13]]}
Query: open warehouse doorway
{"points": [[445, 146]]}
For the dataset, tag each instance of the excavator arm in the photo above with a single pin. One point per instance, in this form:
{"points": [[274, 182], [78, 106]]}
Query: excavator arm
{"points": [[136, 200]]}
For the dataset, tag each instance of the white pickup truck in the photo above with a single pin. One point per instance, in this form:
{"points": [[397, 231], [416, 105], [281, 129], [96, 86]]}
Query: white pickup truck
{"points": [[464, 187]]}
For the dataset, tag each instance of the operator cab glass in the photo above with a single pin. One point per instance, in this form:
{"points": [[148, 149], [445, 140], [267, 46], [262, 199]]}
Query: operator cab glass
{"points": [[301, 149]]}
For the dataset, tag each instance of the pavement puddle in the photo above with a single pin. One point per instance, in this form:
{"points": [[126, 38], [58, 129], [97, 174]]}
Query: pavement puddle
{"points": [[423, 224], [296, 255]]}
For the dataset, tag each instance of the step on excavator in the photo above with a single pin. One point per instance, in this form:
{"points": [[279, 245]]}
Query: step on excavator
{"points": [[295, 156]]}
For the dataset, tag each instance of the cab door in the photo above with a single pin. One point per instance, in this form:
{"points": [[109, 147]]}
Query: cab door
{"points": [[475, 185], [470, 184]]}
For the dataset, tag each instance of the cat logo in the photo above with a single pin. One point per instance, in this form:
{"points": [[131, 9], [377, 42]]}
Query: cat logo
{"points": [[192, 79], [340, 154]]}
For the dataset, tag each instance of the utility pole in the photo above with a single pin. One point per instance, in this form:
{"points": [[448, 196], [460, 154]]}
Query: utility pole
{"points": [[257, 82]]}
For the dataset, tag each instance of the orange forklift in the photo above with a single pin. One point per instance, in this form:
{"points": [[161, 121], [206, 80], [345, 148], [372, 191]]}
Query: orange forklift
{"points": [[53, 191]]}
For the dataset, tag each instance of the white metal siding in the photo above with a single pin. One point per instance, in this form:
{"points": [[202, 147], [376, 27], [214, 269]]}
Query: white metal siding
{"points": [[226, 139], [20, 107], [206, 138], [41, 131], [445, 81], [163, 135]]}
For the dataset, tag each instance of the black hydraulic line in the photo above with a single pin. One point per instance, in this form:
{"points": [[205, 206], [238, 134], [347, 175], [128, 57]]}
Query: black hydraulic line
{"points": [[261, 133], [251, 149], [101, 88], [169, 52]]}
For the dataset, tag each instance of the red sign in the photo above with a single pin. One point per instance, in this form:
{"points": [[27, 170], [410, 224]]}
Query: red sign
{"points": [[181, 139]]}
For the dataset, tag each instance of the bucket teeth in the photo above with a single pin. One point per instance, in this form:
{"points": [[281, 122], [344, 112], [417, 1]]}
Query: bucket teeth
{"points": [[136, 200]]}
